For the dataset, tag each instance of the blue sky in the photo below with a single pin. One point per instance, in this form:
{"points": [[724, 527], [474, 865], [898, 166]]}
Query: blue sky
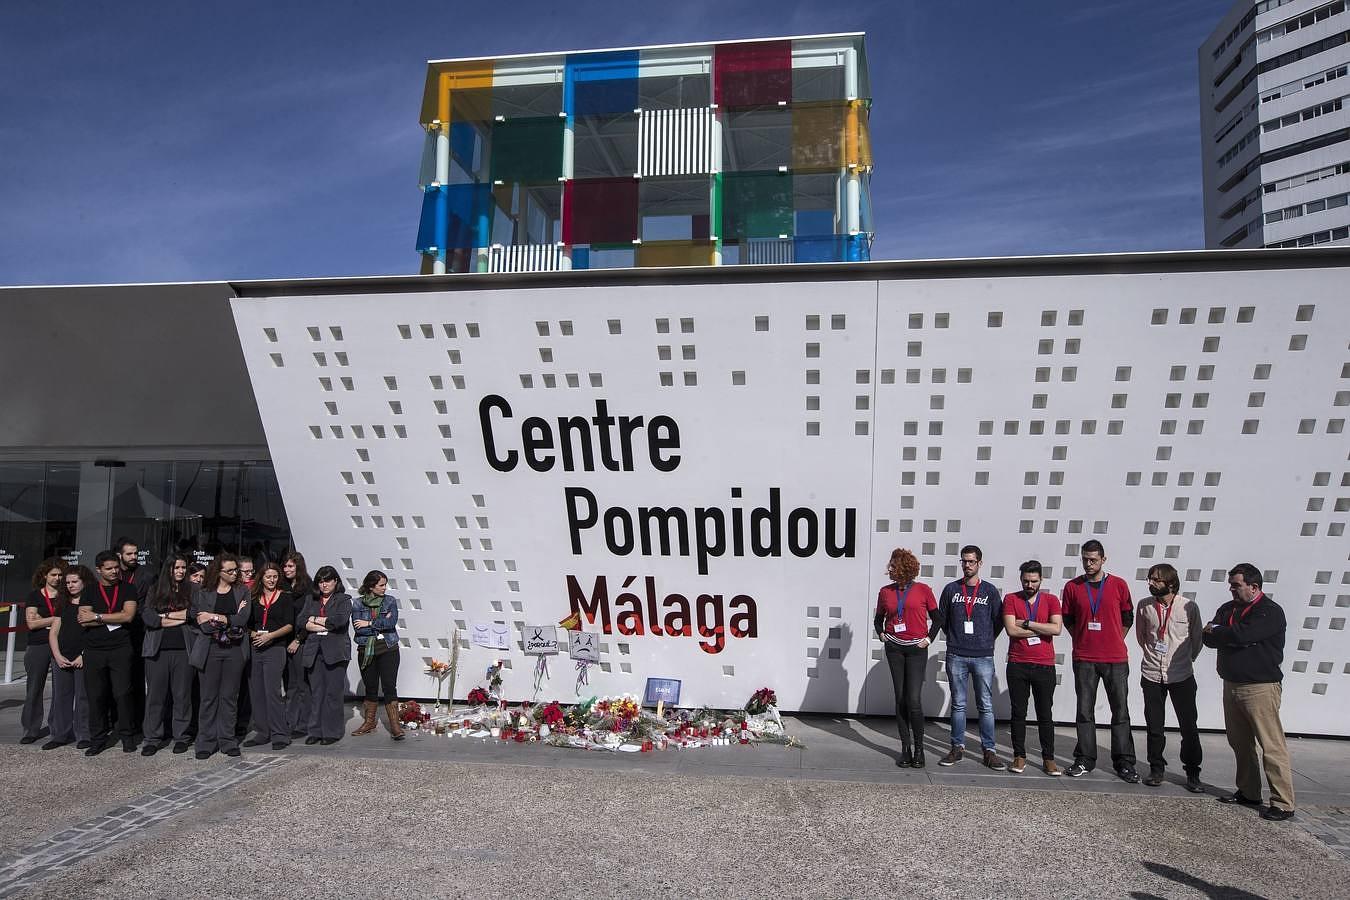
{"points": [[155, 141]]}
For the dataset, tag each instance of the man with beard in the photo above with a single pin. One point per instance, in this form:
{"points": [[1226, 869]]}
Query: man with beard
{"points": [[1169, 632]]}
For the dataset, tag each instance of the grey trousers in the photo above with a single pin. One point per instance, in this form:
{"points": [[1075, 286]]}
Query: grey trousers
{"points": [[219, 683], [269, 703], [168, 680], [297, 693], [328, 685], [37, 664], [70, 706]]}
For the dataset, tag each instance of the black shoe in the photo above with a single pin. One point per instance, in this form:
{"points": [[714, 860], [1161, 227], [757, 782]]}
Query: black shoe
{"points": [[1275, 814], [1193, 784], [311, 741], [1128, 775], [83, 745], [233, 751], [151, 749], [28, 739], [52, 745], [919, 762], [129, 746], [255, 742], [297, 734], [181, 747], [203, 754], [906, 759], [280, 745], [326, 741], [1155, 778], [1238, 798], [1077, 770], [95, 749]]}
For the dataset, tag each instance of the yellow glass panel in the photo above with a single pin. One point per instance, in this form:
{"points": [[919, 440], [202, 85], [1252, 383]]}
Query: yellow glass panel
{"points": [[651, 254], [818, 136], [445, 78], [858, 151]]}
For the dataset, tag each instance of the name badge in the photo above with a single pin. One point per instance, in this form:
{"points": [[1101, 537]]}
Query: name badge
{"points": [[113, 627], [1160, 647], [1033, 641], [1094, 626], [900, 626], [970, 627]]}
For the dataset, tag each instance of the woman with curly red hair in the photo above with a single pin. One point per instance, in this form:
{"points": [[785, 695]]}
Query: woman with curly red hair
{"points": [[907, 620]]}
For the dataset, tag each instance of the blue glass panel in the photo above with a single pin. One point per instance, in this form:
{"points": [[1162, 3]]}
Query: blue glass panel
{"points": [[859, 248], [470, 215], [599, 84], [823, 248], [815, 222], [463, 141], [431, 228], [581, 257]]}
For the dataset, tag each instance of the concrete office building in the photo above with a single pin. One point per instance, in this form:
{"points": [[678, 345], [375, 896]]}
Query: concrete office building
{"points": [[1275, 125]]}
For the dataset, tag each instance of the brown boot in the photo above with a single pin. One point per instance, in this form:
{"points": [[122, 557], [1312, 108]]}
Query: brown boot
{"points": [[370, 709], [395, 728]]}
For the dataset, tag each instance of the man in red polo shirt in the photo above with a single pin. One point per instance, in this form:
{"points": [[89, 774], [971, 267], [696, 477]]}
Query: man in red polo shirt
{"points": [[1099, 612]]}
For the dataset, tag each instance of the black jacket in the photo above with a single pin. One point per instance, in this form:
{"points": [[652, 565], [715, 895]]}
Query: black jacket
{"points": [[1250, 646]]}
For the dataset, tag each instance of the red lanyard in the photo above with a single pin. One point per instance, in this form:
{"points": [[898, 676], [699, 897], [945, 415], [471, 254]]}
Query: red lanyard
{"points": [[1242, 615], [267, 605], [970, 601], [50, 601], [1164, 620], [111, 604]]}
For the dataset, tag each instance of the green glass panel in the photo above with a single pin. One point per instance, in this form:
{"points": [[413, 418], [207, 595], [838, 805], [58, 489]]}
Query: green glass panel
{"points": [[756, 204], [527, 150]]}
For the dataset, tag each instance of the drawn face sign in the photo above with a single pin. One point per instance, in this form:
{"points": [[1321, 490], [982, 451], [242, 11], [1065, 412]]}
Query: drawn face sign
{"points": [[584, 646], [540, 640]]}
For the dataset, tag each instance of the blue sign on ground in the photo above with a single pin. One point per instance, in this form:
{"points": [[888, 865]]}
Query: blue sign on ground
{"points": [[659, 689]]}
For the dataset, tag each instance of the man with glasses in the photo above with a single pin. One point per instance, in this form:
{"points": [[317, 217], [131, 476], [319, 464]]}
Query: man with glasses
{"points": [[1099, 611], [972, 614]]}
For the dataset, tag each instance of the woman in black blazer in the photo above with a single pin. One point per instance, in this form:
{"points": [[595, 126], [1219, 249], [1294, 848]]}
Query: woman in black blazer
{"points": [[219, 652], [326, 617], [168, 676]]}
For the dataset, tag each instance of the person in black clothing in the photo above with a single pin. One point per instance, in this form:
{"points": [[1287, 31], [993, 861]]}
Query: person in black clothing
{"points": [[271, 622], [140, 579], [1248, 633], [168, 675], [105, 613], [295, 581], [327, 617], [70, 703], [219, 652], [39, 613]]}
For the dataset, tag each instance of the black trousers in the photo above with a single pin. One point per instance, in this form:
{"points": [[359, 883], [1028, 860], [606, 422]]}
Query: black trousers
{"points": [[383, 670], [1155, 718], [1024, 681], [37, 664], [168, 696], [107, 682], [298, 700], [1116, 678], [268, 695], [219, 680], [908, 665], [327, 687]]}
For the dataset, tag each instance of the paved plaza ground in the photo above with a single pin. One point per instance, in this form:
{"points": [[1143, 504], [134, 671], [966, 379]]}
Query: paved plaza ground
{"points": [[437, 816]]}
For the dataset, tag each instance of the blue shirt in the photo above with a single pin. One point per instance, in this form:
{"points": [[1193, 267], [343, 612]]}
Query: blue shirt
{"points": [[384, 625]]}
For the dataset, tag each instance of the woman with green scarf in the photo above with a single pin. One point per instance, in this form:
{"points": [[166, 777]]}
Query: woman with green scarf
{"points": [[375, 620]]}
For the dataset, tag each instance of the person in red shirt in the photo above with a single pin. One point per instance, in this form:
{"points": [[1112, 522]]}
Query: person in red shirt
{"points": [[1032, 619], [907, 620], [1099, 612]]}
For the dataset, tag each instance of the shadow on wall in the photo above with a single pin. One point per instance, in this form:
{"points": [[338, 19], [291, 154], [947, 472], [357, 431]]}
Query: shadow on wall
{"points": [[828, 691], [877, 696]]}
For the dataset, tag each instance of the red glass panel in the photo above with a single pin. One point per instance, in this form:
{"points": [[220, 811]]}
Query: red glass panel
{"points": [[754, 74], [600, 211]]}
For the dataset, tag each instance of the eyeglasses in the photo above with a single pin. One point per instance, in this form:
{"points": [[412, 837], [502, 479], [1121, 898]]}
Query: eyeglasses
{"points": [[229, 571]]}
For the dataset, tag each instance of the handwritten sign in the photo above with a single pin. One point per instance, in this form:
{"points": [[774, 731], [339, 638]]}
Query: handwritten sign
{"points": [[584, 646], [492, 635], [661, 690], [540, 640]]}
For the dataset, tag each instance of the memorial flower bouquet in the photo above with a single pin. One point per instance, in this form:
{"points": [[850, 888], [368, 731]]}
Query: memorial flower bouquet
{"points": [[479, 696], [761, 701]]}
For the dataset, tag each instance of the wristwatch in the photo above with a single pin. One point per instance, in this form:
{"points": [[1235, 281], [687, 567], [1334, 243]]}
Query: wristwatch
{"points": [[98, 617]]}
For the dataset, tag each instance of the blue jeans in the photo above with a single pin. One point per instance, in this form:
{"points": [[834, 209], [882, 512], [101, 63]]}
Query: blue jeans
{"points": [[981, 668]]}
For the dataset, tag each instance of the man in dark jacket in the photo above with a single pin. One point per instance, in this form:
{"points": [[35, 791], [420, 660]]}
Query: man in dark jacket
{"points": [[1248, 633]]}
